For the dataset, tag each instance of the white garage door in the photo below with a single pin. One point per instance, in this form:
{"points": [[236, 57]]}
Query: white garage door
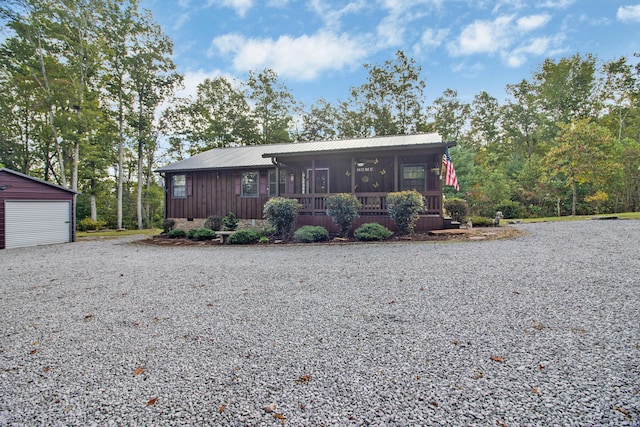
{"points": [[29, 223]]}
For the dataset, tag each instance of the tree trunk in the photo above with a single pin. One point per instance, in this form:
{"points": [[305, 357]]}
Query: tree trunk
{"points": [[94, 210], [574, 197]]}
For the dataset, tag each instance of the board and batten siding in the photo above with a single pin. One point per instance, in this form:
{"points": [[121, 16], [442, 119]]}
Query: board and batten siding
{"points": [[215, 193]]}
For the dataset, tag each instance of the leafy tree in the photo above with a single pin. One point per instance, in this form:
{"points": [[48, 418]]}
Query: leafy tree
{"points": [[273, 106], [449, 115], [320, 122], [583, 154]]}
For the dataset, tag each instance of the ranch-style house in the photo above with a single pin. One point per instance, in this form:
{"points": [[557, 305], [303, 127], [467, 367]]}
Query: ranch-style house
{"points": [[242, 179]]}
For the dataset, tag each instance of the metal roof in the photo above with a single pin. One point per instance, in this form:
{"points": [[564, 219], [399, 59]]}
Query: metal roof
{"points": [[260, 155], [60, 187]]}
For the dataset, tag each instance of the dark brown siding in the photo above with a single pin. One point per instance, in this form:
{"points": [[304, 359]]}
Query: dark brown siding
{"points": [[216, 193], [21, 188]]}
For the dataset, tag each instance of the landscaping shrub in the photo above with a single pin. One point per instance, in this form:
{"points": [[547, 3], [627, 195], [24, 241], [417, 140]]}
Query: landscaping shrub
{"points": [[310, 233], [510, 209], [191, 233], [343, 210], [168, 225], [404, 208], [202, 234], [281, 214], [176, 233], [481, 221], [243, 237], [87, 224], [372, 231], [457, 208], [230, 222], [213, 223]]}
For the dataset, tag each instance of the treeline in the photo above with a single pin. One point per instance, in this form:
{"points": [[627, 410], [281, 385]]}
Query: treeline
{"points": [[87, 101]]}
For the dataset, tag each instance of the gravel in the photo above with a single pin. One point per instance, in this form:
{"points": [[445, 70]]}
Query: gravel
{"points": [[539, 330]]}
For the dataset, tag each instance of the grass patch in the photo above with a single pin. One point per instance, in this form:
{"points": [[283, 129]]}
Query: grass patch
{"points": [[624, 215], [116, 233]]}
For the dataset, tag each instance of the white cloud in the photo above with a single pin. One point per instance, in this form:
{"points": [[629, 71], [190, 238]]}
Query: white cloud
{"points": [[302, 58], [629, 13], [557, 4], [431, 38], [332, 18], [483, 37], [532, 22], [240, 6]]}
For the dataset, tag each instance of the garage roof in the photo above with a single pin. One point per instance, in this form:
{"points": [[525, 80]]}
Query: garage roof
{"points": [[260, 155], [60, 187]]}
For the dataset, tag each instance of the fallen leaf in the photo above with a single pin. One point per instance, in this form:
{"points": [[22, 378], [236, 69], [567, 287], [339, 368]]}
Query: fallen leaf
{"points": [[535, 390], [46, 369], [269, 408], [434, 404], [541, 367], [304, 379], [152, 401], [478, 375], [538, 327], [421, 289], [33, 351], [138, 371], [279, 416], [501, 424], [623, 411], [209, 305], [497, 359], [221, 409], [88, 317]]}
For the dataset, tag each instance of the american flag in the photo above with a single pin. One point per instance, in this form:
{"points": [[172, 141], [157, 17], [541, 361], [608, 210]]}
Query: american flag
{"points": [[450, 177]]}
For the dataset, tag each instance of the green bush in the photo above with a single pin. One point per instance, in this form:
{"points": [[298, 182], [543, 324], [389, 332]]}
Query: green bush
{"points": [[310, 233], [201, 234], [281, 214], [457, 208], [176, 233], [510, 209], [87, 224], [343, 210], [213, 223], [230, 222], [372, 231], [243, 237], [404, 209], [481, 221], [168, 225]]}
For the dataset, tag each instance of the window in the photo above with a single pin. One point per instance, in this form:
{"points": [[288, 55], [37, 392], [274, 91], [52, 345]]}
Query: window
{"points": [[277, 187], [249, 184], [414, 177], [179, 186]]}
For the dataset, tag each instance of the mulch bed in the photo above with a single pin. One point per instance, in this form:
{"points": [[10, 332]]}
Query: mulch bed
{"points": [[456, 235]]}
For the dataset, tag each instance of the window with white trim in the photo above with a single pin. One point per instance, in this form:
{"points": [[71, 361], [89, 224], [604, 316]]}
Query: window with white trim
{"points": [[179, 186], [414, 177], [277, 186], [250, 184]]}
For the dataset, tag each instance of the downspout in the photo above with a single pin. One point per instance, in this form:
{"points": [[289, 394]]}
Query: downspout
{"points": [[164, 207]]}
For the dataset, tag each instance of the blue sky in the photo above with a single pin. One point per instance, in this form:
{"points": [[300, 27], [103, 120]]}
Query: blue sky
{"points": [[317, 47]]}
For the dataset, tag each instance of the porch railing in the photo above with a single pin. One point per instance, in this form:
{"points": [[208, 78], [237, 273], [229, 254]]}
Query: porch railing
{"points": [[372, 203]]}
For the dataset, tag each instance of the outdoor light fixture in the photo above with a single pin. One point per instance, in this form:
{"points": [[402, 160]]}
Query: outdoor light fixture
{"points": [[4, 187]]}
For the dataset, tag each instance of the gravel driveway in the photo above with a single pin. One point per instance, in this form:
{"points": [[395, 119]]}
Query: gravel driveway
{"points": [[540, 330]]}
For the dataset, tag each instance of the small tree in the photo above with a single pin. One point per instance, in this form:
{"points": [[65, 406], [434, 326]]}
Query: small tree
{"points": [[343, 210], [230, 222], [404, 208], [281, 214]]}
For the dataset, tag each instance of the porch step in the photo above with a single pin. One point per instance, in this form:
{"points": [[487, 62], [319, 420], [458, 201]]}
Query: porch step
{"points": [[450, 224]]}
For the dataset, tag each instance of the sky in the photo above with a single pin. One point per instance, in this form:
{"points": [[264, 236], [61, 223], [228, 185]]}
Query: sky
{"points": [[318, 47]]}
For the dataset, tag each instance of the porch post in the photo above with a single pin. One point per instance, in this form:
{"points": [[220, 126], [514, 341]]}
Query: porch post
{"points": [[277, 180], [353, 174], [396, 173], [312, 181]]}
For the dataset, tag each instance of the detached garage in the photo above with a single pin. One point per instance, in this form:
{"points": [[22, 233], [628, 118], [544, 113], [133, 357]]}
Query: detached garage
{"points": [[34, 212]]}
